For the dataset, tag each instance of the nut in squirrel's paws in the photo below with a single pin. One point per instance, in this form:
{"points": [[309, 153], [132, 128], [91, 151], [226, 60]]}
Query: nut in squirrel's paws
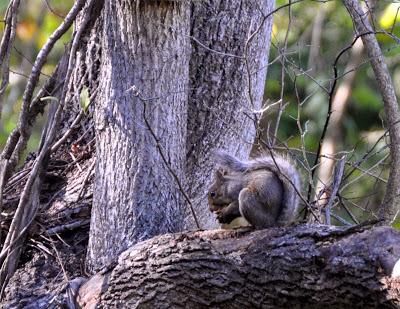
{"points": [[220, 215], [224, 216], [223, 220]]}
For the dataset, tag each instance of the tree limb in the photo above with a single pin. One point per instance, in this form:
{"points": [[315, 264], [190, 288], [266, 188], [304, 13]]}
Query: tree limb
{"points": [[306, 266]]}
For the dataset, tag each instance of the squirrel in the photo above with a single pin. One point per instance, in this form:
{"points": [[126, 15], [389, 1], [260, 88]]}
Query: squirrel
{"points": [[265, 190]]}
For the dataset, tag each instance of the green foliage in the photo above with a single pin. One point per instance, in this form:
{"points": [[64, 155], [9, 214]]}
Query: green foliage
{"points": [[36, 22], [305, 76], [396, 225], [363, 120]]}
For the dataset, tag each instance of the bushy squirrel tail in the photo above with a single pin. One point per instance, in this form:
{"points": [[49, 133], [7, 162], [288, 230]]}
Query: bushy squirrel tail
{"points": [[281, 166], [230, 163]]}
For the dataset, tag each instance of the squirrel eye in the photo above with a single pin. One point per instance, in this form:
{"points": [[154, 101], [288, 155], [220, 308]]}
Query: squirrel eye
{"points": [[212, 194]]}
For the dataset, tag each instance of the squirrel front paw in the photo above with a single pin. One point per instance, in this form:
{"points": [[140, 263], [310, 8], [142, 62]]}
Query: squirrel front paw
{"points": [[225, 217]]}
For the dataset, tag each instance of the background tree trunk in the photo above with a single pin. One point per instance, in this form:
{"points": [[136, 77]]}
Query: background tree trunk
{"points": [[297, 267]]}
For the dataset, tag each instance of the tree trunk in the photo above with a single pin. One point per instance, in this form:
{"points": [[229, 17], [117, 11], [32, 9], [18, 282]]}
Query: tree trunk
{"points": [[143, 88], [157, 122], [221, 111], [297, 267]]}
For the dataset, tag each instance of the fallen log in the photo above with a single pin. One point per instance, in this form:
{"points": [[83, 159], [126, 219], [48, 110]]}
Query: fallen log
{"points": [[306, 266]]}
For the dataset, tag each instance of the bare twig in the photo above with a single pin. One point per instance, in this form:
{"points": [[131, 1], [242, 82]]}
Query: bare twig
{"points": [[6, 46], [316, 38], [367, 172], [303, 149], [68, 227], [337, 180], [85, 180], [282, 60], [29, 61], [213, 50], [328, 115], [368, 154], [339, 102], [306, 73], [341, 220], [247, 48], [347, 210], [68, 132], [53, 11], [75, 160]]}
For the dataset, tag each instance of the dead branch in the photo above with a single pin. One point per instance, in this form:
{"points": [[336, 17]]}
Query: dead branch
{"points": [[6, 46]]}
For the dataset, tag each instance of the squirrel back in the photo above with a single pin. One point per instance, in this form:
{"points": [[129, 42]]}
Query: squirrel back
{"points": [[281, 166]]}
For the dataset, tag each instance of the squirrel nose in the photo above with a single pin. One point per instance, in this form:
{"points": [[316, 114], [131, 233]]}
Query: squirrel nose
{"points": [[212, 194]]}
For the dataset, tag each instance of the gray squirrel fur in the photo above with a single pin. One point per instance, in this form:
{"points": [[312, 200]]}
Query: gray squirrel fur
{"points": [[263, 190]]}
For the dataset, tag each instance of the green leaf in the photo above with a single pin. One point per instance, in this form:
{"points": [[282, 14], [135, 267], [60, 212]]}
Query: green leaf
{"points": [[390, 16], [396, 225], [85, 99]]}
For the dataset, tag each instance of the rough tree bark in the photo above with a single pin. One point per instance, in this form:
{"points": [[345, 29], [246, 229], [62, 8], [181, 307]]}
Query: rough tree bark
{"points": [[221, 112], [135, 194], [297, 267], [156, 122]]}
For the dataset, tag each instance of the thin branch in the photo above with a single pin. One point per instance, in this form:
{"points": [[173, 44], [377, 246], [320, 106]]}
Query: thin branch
{"points": [[282, 60], [28, 60], [85, 180], [368, 154], [347, 210], [339, 102], [337, 180], [328, 115], [213, 50], [53, 11], [6, 46], [68, 132], [247, 47], [367, 172]]}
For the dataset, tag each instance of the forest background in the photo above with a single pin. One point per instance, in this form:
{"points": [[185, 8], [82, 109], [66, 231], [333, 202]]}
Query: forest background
{"points": [[314, 40], [322, 106]]}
